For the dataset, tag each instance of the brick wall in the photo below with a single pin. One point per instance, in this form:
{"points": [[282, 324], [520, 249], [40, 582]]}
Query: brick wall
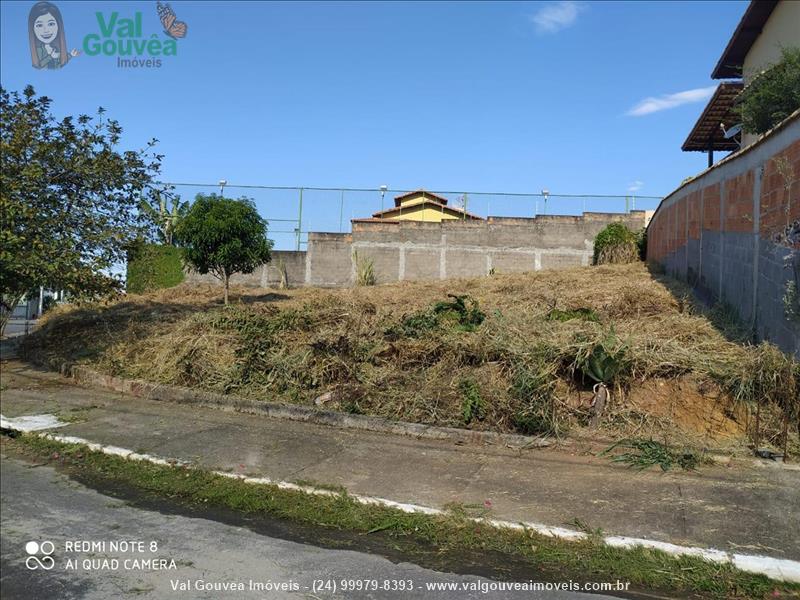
{"points": [[720, 232]]}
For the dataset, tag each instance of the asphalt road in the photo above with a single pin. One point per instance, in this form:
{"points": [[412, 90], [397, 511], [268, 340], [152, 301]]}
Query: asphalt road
{"points": [[39, 504]]}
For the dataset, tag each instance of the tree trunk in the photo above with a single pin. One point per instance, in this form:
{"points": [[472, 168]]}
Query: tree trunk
{"points": [[226, 280], [8, 303]]}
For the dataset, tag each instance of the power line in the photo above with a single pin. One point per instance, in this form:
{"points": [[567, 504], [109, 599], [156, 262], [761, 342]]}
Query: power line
{"points": [[345, 189]]}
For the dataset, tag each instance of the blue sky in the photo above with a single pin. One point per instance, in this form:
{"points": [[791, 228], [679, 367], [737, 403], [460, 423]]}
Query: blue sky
{"points": [[575, 97]]}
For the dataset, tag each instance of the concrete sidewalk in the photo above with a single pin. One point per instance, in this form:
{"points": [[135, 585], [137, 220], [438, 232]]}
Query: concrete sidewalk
{"points": [[752, 510]]}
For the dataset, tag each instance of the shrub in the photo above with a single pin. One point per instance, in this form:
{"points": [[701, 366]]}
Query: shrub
{"points": [[153, 267], [616, 244], [365, 270], [641, 243], [773, 95]]}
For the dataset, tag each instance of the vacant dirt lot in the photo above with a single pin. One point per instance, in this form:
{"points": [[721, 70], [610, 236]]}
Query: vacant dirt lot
{"points": [[509, 352]]}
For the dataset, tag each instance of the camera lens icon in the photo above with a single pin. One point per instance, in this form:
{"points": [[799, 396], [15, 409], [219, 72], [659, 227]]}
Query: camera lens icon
{"points": [[34, 549]]}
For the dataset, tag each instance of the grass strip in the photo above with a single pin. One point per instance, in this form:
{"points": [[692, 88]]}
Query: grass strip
{"points": [[454, 532]]}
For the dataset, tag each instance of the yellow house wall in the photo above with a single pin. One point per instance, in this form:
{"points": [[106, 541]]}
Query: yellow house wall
{"points": [[418, 213], [782, 29]]}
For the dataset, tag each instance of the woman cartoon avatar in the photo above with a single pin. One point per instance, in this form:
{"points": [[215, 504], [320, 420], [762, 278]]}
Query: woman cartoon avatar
{"points": [[46, 35]]}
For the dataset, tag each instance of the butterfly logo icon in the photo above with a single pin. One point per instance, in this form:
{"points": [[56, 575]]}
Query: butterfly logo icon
{"points": [[172, 27]]}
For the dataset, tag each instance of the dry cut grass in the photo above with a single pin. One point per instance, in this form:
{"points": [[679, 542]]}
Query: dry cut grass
{"points": [[511, 357]]}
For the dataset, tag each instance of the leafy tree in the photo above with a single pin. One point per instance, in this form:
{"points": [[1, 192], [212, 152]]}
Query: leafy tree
{"points": [[223, 236], [164, 211], [773, 95], [68, 199]]}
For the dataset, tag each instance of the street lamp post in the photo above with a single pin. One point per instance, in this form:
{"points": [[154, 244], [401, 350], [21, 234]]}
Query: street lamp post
{"points": [[383, 193]]}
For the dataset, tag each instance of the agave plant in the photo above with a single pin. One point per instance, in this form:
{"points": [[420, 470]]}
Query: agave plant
{"points": [[604, 361]]}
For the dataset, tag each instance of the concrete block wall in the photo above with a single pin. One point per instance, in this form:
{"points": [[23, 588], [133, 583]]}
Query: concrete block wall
{"points": [[412, 250], [267, 275], [722, 232]]}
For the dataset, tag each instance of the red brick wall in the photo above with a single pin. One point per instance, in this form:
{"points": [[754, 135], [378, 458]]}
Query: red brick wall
{"points": [[739, 203], [680, 223], [687, 217], [711, 196], [694, 215], [780, 191]]}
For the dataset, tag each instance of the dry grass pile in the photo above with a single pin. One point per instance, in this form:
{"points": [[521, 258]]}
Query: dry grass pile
{"points": [[507, 352]]}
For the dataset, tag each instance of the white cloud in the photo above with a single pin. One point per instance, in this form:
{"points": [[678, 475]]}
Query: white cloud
{"points": [[635, 186], [556, 16], [667, 101]]}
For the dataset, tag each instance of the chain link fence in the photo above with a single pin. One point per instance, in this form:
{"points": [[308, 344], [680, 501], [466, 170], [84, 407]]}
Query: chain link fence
{"points": [[292, 212]]}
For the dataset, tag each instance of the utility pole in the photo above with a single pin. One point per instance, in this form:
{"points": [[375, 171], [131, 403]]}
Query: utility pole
{"points": [[300, 219], [341, 211]]}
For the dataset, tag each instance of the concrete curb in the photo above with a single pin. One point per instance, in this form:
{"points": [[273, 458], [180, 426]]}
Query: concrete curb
{"points": [[775, 568], [274, 410]]}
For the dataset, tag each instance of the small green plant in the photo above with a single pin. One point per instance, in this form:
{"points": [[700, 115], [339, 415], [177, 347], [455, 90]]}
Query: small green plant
{"points": [[604, 361], [473, 405], [530, 423], [414, 325], [464, 308], [351, 406], [365, 270], [616, 244], [581, 525], [642, 454], [464, 311], [585, 314]]}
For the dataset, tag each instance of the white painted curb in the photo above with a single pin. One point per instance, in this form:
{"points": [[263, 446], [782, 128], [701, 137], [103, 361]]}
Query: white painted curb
{"points": [[775, 568]]}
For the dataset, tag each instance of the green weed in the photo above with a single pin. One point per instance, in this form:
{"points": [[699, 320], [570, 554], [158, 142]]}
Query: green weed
{"points": [[472, 404], [643, 454]]}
